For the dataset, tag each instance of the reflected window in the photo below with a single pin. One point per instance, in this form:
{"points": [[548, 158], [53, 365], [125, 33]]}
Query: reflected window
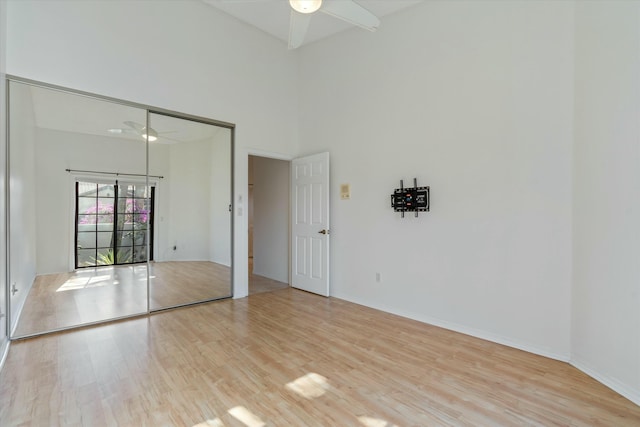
{"points": [[113, 222]]}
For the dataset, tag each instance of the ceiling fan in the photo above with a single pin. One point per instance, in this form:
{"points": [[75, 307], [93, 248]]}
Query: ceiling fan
{"points": [[301, 10], [134, 128], [347, 10]]}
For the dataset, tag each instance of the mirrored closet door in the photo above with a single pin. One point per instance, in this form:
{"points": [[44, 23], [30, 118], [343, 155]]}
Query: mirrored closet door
{"points": [[192, 247], [114, 211]]}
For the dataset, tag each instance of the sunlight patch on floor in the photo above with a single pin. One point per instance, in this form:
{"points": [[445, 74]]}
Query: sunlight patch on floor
{"points": [[104, 276], [374, 422], [246, 417], [310, 386], [87, 282], [210, 423]]}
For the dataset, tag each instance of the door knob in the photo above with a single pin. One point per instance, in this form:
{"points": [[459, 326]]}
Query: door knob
{"points": [[323, 231]]}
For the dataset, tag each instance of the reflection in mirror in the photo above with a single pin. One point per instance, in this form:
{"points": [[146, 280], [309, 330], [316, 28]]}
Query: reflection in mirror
{"points": [[191, 249], [79, 210]]}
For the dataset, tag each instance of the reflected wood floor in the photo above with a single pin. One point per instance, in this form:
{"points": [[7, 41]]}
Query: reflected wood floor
{"points": [[95, 294], [183, 282], [290, 358]]}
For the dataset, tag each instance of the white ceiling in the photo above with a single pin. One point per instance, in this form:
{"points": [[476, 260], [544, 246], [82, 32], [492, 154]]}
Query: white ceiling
{"points": [[272, 16]]}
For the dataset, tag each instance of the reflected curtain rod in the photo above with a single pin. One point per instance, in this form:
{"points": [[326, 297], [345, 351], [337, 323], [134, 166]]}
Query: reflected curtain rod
{"points": [[115, 173]]}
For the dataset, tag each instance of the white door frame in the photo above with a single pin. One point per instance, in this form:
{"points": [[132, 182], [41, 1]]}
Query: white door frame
{"points": [[241, 231]]}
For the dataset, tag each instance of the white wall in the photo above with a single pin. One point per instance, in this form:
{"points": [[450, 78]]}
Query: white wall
{"points": [[193, 59], [220, 198], [271, 218], [190, 188], [475, 100], [606, 248], [159, 164], [3, 142], [22, 190]]}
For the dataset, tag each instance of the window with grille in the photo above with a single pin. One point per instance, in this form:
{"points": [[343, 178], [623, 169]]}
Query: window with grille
{"points": [[114, 222]]}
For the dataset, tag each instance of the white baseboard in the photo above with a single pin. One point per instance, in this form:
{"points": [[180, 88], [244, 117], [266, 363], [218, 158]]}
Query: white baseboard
{"points": [[477, 333], [499, 339], [612, 383]]}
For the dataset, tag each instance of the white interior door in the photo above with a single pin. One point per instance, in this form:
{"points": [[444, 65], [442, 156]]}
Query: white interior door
{"points": [[310, 223]]}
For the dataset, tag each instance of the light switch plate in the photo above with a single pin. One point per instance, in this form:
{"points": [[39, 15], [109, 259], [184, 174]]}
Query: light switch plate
{"points": [[345, 191]]}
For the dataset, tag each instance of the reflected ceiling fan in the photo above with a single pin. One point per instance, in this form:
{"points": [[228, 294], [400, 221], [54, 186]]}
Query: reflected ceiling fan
{"points": [[140, 130], [347, 10]]}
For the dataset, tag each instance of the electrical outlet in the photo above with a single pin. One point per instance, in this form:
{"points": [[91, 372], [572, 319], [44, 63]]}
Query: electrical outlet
{"points": [[378, 278]]}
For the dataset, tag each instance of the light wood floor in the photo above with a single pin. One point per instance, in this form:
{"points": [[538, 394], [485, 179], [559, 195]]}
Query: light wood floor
{"points": [[96, 294], [290, 358], [258, 284]]}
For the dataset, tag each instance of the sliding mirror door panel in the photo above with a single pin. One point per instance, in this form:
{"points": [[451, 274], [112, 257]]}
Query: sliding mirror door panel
{"points": [[79, 209], [190, 170]]}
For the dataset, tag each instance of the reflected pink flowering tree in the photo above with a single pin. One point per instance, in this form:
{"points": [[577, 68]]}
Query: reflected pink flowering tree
{"points": [[97, 214], [102, 213]]}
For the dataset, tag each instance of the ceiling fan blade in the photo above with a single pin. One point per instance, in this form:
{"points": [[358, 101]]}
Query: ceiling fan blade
{"points": [[133, 125], [298, 25], [352, 12], [121, 131]]}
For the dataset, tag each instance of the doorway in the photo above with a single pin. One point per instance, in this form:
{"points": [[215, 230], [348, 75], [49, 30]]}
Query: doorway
{"points": [[268, 224]]}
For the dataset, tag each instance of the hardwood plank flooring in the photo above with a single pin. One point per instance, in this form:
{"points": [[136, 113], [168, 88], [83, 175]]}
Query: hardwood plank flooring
{"points": [[96, 294], [258, 284], [290, 358]]}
